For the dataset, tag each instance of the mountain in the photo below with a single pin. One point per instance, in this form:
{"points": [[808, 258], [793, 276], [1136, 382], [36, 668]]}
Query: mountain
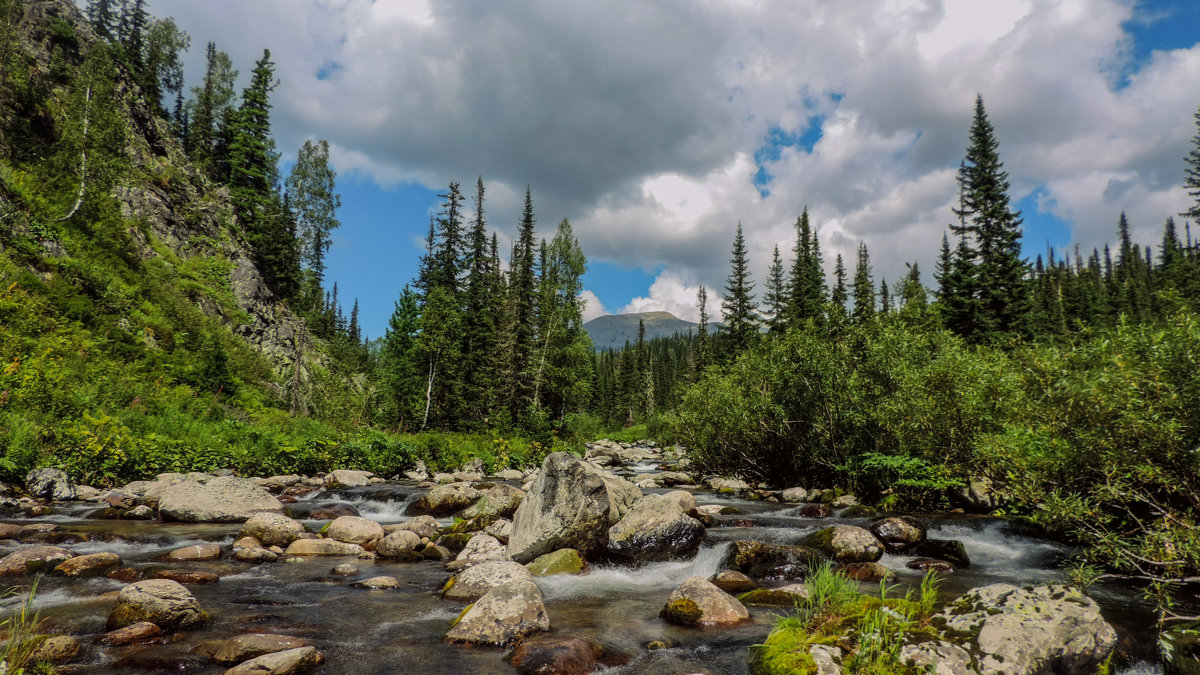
{"points": [[611, 331]]}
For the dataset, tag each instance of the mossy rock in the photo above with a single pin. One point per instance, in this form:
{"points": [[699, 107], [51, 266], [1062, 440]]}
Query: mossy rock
{"points": [[562, 561], [729, 511], [682, 612], [471, 525], [858, 511], [456, 542], [772, 597]]}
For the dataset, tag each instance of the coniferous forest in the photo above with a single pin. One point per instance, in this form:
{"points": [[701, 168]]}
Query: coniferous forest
{"points": [[165, 306]]}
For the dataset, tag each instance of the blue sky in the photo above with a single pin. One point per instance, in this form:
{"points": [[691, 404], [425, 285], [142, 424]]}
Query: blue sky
{"points": [[656, 136]]}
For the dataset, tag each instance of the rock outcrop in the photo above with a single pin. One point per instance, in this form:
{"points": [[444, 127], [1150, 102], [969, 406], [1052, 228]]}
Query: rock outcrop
{"points": [[221, 500]]}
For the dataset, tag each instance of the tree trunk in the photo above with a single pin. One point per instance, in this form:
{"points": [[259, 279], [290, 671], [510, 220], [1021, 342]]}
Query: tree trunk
{"points": [[87, 102]]}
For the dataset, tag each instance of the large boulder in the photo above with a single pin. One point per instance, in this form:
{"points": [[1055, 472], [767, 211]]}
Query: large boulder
{"points": [[898, 533], [444, 500], [272, 529], [474, 582], [400, 545], [501, 617], [570, 505], [50, 483], [252, 645], [221, 500], [287, 662], [558, 654], [33, 559], [345, 478], [655, 528], [697, 602], [1039, 630], [562, 561], [91, 565], [165, 603], [481, 548], [775, 561], [355, 530], [499, 500], [846, 543], [323, 547]]}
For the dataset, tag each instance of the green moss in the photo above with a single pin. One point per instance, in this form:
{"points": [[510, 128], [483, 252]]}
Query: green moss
{"points": [[683, 612]]}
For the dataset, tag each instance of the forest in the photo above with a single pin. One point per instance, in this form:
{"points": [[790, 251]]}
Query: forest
{"points": [[1063, 387]]}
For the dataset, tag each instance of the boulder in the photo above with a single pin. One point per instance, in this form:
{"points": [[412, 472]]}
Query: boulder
{"points": [[501, 617], [500, 529], [50, 483], [672, 478], [142, 630], [287, 662], [186, 577], [252, 645], [55, 649], [686, 500], [194, 552], [378, 583], [345, 478], [220, 500], [446, 499], [558, 654], [846, 543], [165, 603], [733, 582], [355, 530], [499, 500], [655, 528], [727, 485], [871, 572], [33, 559], [562, 561], [255, 555], [474, 582], [510, 474], [697, 602], [570, 505], [1038, 630], [323, 547], [898, 533], [93, 564], [481, 548], [950, 550], [400, 545], [937, 658], [424, 526], [760, 560], [272, 529], [794, 495], [784, 596]]}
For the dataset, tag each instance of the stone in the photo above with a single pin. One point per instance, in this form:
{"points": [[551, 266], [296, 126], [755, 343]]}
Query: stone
{"points": [[272, 529], [87, 493], [91, 565], [571, 504], [142, 630], [444, 500], [758, 559], [400, 545], [345, 478], [377, 583], [937, 658], [697, 602], [510, 474], [220, 500], [10, 531], [815, 511], [950, 550], [558, 654], [844, 501], [784, 596], [655, 528], [120, 500], [252, 645], [55, 649], [160, 601], [140, 512], [499, 500], [898, 533], [344, 570], [474, 582], [355, 530], [481, 548], [287, 662], [827, 659], [733, 582], [33, 559], [186, 577], [686, 500], [500, 529], [255, 555], [323, 547], [871, 572], [562, 561], [425, 527], [846, 543], [794, 495], [125, 575], [727, 485], [194, 552], [1038, 630], [858, 511], [928, 565], [672, 478], [501, 617], [51, 484]]}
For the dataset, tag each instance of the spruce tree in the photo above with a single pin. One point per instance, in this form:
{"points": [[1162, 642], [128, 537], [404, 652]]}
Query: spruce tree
{"points": [[839, 297], [703, 348], [775, 299], [448, 253], [1191, 180], [864, 287], [399, 367], [103, 18], [211, 103], [737, 303], [806, 281], [312, 188], [523, 288]]}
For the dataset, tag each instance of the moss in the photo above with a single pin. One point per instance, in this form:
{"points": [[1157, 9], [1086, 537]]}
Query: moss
{"points": [[461, 615], [683, 612]]}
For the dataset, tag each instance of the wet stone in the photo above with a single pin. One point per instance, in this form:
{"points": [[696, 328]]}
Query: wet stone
{"points": [[186, 577], [143, 630], [252, 645]]}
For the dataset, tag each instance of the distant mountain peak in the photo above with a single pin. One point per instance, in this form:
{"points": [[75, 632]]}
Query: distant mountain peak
{"points": [[611, 331]]}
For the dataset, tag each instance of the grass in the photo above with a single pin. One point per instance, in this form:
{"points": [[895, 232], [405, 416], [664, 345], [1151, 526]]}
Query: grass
{"points": [[23, 637]]}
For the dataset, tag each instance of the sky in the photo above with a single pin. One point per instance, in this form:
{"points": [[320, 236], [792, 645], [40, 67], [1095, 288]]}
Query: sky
{"points": [[656, 126]]}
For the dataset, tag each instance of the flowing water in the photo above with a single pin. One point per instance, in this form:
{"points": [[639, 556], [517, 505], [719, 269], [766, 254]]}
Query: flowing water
{"points": [[400, 630]]}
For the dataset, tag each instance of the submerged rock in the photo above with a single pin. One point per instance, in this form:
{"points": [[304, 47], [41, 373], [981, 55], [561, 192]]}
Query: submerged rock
{"points": [[558, 654], [950, 550], [502, 616], [562, 561], [570, 505], [287, 662], [655, 528], [1040, 630], [784, 596], [220, 500], [142, 630], [378, 583], [697, 602], [761, 560], [898, 533], [165, 603], [252, 645], [194, 552]]}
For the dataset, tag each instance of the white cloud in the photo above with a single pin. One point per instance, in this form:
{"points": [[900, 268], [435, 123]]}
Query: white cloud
{"points": [[592, 307], [670, 293]]}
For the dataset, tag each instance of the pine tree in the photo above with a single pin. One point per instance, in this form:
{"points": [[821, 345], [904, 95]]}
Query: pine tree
{"points": [[449, 251], [864, 287], [399, 370], [212, 102], [914, 301], [775, 300], [999, 275], [703, 348], [523, 288], [806, 281], [885, 298], [312, 188], [839, 297], [737, 304], [102, 18], [1191, 181], [479, 334]]}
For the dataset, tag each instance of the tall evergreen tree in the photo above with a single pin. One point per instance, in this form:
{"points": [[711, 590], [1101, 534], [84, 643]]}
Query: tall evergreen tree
{"points": [[523, 288], [399, 366], [839, 297], [806, 281], [103, 18], [312, 187], [737, 303], [703, 347], [1191, 180], [212, 102], [775, 299], [449, 251], [864, 287]]}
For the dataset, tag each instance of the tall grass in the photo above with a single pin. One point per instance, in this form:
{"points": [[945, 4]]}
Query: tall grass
{"points": [[21, 631]]}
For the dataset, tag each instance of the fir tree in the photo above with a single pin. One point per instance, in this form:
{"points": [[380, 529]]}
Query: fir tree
{"points": [[1191, 181], [523, 288], [703, 348], [448, 253], [864, 287], [839, 296], [806, 281], [737, 303], [212, 103], [775, 299], [103, 19]]}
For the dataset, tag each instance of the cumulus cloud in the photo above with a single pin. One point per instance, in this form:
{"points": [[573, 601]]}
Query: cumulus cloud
{"points": [[670, 293], [641, 120], [592, 307]]}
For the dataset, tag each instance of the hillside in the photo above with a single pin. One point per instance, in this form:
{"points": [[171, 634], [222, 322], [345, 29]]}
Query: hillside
{"points": [[611, 331]]}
